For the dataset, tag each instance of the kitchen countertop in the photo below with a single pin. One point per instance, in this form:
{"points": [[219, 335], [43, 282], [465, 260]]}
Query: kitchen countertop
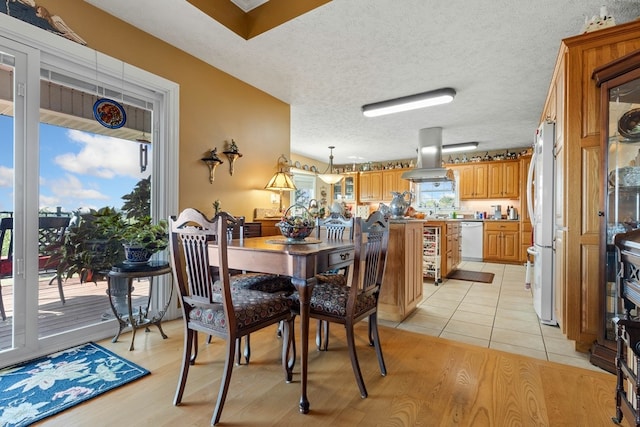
{"points": [[406, 219]]}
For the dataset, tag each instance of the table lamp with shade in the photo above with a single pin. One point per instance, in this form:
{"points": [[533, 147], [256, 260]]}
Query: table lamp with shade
{"points": [[281, 180]]}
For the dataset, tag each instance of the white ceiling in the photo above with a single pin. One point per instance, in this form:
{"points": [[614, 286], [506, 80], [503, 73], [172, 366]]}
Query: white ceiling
{"points": [[497, 54]]}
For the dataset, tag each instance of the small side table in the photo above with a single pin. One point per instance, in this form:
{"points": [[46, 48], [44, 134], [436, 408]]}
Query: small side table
{"points": [[140, 318]]}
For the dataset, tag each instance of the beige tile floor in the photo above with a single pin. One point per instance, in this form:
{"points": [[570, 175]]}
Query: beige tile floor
{"points": [[496, 315]]}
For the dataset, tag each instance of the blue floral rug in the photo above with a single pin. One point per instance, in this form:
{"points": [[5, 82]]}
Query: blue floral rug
{"points": [[43, 387]]}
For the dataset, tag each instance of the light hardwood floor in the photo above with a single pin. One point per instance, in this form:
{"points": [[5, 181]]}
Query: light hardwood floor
{"points": [[431, 381]]}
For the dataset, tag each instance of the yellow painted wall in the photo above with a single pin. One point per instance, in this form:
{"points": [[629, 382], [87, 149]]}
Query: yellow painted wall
{"points": [[214, 107]]}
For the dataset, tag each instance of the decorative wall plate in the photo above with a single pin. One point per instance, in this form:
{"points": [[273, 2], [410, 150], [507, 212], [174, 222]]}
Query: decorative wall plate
{"points": [[109, 113]]}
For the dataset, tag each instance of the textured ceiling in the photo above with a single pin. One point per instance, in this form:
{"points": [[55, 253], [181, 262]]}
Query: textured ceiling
{"points": [[498, 55]]}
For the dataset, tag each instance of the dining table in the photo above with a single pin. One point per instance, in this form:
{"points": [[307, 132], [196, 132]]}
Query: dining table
{"points": [[298, 259]]}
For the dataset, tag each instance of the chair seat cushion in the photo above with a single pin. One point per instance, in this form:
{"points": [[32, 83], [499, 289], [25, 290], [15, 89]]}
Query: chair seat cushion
{"points": [[259, 282], [334, 278], [332, 299], [251, 308]]}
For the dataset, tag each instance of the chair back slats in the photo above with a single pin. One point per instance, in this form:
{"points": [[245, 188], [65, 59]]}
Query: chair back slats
{"points": [[191, 235], [335, 227], [51, 230], [199, 280], [6, 228]]}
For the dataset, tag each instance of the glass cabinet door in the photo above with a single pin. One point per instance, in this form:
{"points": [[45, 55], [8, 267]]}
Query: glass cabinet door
{"points": [[622, 190], [338, 194], [349, 187]]}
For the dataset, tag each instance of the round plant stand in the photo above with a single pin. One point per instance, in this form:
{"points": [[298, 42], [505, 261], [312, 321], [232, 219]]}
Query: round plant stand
{"points": [[119, 279]]}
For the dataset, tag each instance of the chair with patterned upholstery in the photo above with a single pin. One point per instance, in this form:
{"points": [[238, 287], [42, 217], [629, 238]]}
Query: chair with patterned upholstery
{"points": [[196, 244], [334, 227], [358, 300], [254, 281]]}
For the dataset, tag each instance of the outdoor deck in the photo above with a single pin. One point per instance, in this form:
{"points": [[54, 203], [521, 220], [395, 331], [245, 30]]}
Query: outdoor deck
{"points": [[86, 304]]}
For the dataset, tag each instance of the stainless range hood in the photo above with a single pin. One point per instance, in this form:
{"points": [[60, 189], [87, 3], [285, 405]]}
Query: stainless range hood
{"points": [[429, 165]]}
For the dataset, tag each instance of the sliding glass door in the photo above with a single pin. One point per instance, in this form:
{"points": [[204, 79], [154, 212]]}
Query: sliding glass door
{"points": [[57, 163]]}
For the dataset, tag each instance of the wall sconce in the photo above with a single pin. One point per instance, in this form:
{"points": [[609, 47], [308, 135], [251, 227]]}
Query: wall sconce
{"points": [[281, 180], [212, 162], [232, 154]]}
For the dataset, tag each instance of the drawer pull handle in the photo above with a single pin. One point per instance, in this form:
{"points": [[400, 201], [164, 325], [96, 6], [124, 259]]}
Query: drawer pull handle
{"points": [[344, 256]]}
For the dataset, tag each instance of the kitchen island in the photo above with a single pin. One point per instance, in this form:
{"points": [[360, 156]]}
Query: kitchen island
{"points": [[403, 279]]}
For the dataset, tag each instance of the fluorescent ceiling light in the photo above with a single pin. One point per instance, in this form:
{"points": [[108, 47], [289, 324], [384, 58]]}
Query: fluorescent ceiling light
{"points": [[465, 146], [410, 102]]}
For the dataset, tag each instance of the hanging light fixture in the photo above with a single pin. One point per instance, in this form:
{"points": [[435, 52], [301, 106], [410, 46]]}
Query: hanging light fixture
{"points": [[281, 181], [330, 178], [410, 102]]}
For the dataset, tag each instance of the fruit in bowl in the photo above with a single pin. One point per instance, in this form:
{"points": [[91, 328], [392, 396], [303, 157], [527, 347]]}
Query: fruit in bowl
{"points": [[296, 224]]}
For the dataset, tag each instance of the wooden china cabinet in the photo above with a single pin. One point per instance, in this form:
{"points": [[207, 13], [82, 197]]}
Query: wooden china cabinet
{"points": [[619, 83], [573, 103]]}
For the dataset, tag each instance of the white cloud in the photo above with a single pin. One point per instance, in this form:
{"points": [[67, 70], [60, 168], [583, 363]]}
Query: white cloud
{"points": [[71, 188], [101, 156], [6, 177]]}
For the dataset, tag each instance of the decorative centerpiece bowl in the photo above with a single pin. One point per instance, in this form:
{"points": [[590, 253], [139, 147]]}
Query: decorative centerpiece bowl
{"points": [[297, 223]]}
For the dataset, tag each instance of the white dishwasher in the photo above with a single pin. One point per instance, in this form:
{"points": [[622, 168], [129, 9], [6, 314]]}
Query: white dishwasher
{"points": [[471, 236]]}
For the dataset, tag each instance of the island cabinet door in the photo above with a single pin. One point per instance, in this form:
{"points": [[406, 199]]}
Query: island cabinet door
{"points": [[402, 283]]}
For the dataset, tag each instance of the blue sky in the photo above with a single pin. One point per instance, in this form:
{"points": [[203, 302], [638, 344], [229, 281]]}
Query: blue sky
{"points": [[78, 170]]}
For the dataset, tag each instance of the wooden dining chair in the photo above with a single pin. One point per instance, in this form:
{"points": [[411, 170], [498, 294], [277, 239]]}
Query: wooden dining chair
{"points": [[254, 281], [333, 227], [358, 299], [196, 244]]}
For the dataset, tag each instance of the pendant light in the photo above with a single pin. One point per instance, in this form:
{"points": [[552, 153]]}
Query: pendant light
{"points": [[330, 178]]}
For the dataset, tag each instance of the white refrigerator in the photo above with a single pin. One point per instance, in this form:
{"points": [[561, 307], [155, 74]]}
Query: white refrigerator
{"points": [[541, 178]]}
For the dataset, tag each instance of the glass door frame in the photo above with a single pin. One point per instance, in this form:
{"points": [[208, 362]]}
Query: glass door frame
{"points": [[33, 50]]}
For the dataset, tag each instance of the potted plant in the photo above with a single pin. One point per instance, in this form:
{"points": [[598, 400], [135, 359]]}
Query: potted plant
{"points": [[94, 241], [88, 248], [141, 238], [100, 239]]}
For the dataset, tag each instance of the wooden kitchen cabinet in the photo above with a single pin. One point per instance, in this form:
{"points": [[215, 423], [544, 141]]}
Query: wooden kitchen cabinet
{"points": [[501, 241], [504, 179], [347, 189], [402, 283], [452, 247], [473, 181], [526, 237], [268, 226], [370, 186], [573, 103], [392, 181]]}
